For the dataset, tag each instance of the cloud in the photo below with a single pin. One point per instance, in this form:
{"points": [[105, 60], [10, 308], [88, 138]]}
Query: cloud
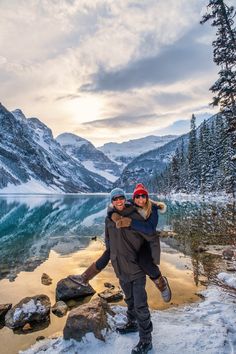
{"points": [[175, 62]]}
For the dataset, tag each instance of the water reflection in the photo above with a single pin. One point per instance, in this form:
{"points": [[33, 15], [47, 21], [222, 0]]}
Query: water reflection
{"points": [[198, 225], [31, 226]]}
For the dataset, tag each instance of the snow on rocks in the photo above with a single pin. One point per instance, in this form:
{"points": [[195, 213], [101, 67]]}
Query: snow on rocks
{"points": [[29, 309], [207, 327], [228, 279]]}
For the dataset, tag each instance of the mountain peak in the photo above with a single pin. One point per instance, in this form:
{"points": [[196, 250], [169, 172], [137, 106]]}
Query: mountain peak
{"points": [[72, 139]]}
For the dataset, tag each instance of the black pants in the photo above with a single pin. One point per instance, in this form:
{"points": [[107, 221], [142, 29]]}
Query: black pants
{"points": [[136, 300], [146, 263]]}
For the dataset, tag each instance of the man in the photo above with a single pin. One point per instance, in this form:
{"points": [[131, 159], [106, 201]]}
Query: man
{"points": [[124, 244]]}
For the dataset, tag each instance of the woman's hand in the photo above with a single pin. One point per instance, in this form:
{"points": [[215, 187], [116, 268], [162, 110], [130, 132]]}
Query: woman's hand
{"points": [[123, 222], [115, 217]]}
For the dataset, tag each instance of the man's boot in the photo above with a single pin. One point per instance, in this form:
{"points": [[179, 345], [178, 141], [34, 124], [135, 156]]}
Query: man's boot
{"points": [[87, 275], [142, 348], [131, 326], [163, 285]]}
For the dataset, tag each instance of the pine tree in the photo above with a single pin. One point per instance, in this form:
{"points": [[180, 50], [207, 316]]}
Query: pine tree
{"points": [[193, 165], [222, 17], [224, 46]]}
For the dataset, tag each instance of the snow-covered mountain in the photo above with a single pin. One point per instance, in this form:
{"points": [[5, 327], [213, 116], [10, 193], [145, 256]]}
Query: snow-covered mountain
{"points": [[31, 160], [144, 166], [91, 158], [125, 152]]}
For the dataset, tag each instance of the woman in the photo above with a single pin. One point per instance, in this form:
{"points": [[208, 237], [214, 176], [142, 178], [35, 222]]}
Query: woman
{"points": [[149, 253]]}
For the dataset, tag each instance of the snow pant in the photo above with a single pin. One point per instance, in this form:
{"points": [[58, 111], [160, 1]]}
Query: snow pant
{"points": [[136, 300], [146, 263]]}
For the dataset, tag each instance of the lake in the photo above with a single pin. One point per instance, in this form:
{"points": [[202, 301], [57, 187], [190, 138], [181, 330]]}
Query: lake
{"points": [[55, 235]]}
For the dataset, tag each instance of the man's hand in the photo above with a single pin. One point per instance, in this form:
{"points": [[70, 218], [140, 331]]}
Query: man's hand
{"points": [[162, 207], [123, 222], [115, 217]]}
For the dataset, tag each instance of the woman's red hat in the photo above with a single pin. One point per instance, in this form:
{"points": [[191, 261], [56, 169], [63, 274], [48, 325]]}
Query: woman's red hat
{"points": [[140, 189]]}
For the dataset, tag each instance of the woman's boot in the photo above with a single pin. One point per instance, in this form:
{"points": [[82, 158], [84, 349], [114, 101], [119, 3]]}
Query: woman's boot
{"points": [[163, 285]]}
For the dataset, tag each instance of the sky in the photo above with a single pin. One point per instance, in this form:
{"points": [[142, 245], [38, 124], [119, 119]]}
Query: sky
{"points": [[107, 70]]}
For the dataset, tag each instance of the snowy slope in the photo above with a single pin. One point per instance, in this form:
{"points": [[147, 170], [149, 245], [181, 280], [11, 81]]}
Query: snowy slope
{"points": [[125, 152], [31, 160], [90, 157], [207, 327]]}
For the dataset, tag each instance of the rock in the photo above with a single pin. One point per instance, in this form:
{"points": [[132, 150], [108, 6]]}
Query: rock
{"points": [[60, 308], [167, 233], [111, 295], [40, 338], [45, 279], [27, 327], [4, 308], [90, 317], [71, 287], [109, 285], [29, 309], [228, 253]]}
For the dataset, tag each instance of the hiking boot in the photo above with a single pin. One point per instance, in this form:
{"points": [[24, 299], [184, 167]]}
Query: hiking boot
{"points": [[142, 348], [128, 328], [163, 285]]}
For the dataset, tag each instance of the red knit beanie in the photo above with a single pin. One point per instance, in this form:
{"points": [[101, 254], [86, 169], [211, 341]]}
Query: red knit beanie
{"points": [[140, 189]]}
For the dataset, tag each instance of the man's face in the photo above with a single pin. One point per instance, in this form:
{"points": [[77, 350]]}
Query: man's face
{"points": [[119, 202]]}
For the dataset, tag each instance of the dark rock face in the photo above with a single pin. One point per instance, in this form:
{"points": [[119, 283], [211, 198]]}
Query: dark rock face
{"points": [[71, 287], [4, 308], [28, 310], [91, 317]]}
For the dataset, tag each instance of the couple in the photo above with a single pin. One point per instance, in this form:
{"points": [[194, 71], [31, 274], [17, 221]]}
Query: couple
{"points": [[133, 246]]}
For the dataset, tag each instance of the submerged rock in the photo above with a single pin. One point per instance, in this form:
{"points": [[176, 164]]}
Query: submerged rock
{"points": [[45, 279], [111, 295], [72, 287], [90, 317], [29, 309], [60, 308], [109, 285]]}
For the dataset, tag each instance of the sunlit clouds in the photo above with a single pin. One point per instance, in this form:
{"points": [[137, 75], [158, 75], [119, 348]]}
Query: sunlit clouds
{"points": [[106, 70]]}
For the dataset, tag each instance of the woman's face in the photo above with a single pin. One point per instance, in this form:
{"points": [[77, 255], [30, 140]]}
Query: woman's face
{"points": [[140, 200]]}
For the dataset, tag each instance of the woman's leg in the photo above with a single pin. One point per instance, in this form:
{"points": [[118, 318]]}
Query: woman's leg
{"points": [[146, 263], [152, 270]]}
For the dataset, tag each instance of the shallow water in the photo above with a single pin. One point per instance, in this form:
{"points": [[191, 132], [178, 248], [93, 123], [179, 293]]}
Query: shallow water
{"points": [[52, 234]]}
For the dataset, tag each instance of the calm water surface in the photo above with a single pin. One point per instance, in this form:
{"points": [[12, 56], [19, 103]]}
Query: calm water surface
{"points": [[53, 234]]}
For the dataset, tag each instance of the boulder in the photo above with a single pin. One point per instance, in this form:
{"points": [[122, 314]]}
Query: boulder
{"points": [[60, 308], [28, 310], [109, 285], [72, 287], [111, 295], [90, 317], [4, 308]]}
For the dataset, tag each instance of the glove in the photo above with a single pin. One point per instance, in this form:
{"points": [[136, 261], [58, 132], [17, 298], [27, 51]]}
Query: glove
{"points": [[162, 207], [123, 222], [115, 217]]}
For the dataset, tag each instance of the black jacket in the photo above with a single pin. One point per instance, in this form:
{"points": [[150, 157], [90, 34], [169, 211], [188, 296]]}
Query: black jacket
{"points": [[124, 245]]}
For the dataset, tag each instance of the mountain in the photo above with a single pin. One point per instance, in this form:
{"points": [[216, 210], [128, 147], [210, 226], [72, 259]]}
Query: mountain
{"points": [[31, 160], [91, 158], [125, 152], [143, 167]]}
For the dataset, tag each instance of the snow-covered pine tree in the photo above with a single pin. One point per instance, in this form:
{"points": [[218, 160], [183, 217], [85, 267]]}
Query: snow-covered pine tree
{"points": [[222, 17], [193, 163]]}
